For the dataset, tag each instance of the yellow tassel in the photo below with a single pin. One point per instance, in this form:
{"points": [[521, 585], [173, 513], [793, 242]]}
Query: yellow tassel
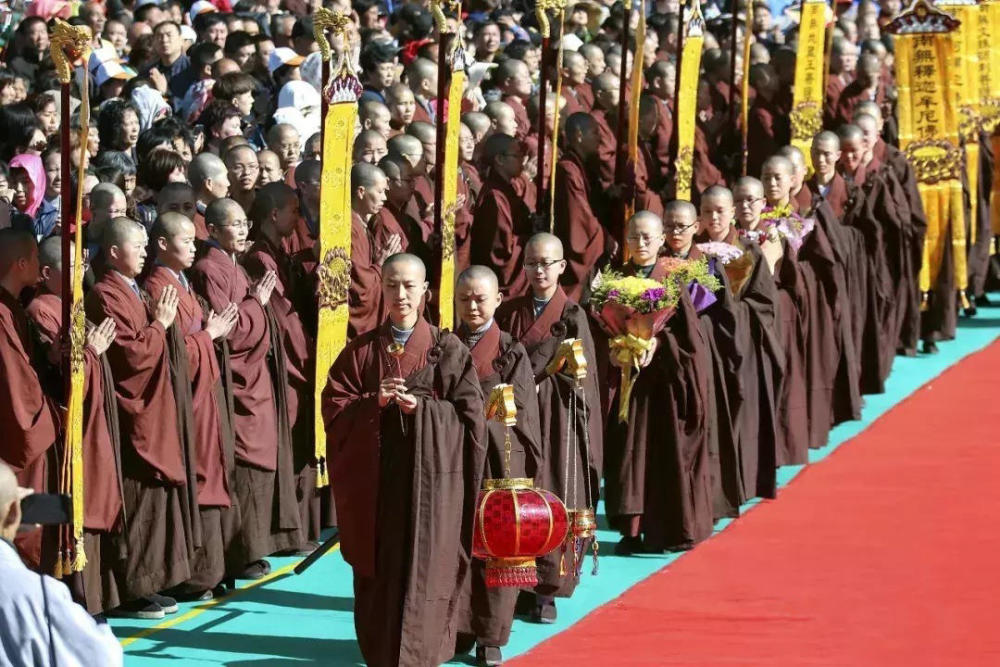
{"points": [[965, 300], [924, 299], [627, 349], [80, 556]]}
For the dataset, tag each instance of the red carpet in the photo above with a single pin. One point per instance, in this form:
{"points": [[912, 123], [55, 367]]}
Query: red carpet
{"points": [[886, 553]]}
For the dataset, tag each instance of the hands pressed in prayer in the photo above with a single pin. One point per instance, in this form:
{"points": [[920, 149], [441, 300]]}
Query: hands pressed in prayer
{"points": [[99, 338], [391, 247], [219, 325], [262, 290], [394, 389], [166, 307]]}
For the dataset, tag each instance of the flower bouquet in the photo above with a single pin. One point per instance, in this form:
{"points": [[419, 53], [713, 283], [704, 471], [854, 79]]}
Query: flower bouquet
{"points": [[787, 224], [634, 310], [736, 261]]}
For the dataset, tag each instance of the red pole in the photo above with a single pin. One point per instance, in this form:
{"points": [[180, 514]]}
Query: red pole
{"points": [[65, 209]]}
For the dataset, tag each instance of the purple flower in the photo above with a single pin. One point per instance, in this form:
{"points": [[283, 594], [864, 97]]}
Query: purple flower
{"points": [[654, 294], [613, 294]]}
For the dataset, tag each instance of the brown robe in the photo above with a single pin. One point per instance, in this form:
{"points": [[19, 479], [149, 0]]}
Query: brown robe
{"points": [[103, 517], [502, 225], [301, 238], [263, 481], [365, 295], [405, 487], [607, 149], [195, 363], [658, 461], [581, 94], [767, 131], [584, 238], [849, 97], [562, 406], [29, 420], [154, 474], [488, 613], [299, 350], [520, 116]]}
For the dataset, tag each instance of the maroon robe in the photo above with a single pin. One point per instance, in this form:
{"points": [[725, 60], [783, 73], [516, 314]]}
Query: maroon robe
{"points": [[365, 295], [30, 420], [573, 475], [582, 95], [488, 613], [103, 522], [262, 440], [658, 462], [849, 97], [405, 488], [767, 131], [300, 369], [606, 149], [835, 85], [501, 227], [301, 238], [660, 142], [153, 469], [585, 240]]}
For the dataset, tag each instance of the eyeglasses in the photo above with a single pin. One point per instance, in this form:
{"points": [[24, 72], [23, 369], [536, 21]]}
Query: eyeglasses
{"points": [[677, 229], [240, 224], [543, 264], [749, 200], [641, 238], [240, 169]]}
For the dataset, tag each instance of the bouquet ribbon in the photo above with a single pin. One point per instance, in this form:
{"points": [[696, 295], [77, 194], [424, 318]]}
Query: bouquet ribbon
{"points": [[627, 349]]}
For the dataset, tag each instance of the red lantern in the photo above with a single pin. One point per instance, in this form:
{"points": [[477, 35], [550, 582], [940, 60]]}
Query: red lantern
{"points": [[516, 523]]}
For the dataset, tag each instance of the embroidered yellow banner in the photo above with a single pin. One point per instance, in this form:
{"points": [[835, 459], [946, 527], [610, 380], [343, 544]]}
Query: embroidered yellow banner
{"points": [[449, 199], [810, 71], [687, 102], [334, 243], [928, 131]]}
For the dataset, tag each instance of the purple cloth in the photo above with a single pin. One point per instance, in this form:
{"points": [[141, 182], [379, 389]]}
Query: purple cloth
{"points": [[701, 298]]}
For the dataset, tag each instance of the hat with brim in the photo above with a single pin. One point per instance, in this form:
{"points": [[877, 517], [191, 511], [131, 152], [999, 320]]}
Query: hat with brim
{"points": [[104, 65], [201, 7], [283, 56]]}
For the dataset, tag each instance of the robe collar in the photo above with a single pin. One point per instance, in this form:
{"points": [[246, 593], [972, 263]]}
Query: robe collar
{"points": [[485, 351], [541, 327], [415, 351]]}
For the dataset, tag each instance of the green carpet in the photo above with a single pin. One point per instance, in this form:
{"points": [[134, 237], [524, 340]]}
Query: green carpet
{"points": [[290, 619]]}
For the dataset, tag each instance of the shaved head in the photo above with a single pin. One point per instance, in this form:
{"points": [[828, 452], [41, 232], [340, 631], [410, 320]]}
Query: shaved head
{"points": [[718, 193], [794, 156], [751, 184], [827, 137], [119, 231], [478, 272], [868, 107], [406, 146], [365, 175], [401, 259], [15, 244], [219, 211], [205, 166], [169, 224], [778, 162], [50, 252], [648, 217], [851, 133], [425, 132], [677, 207], [476, 121], [545, 241], [10, 515]]}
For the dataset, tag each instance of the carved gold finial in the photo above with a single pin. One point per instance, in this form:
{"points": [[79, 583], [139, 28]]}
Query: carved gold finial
{"points": [[501, 407], [569, 356], [68, 43], [328, 20]]}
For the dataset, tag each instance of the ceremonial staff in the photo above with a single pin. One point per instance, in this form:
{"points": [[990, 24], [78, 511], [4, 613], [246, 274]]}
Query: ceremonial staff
{"points": [[341, 89], [633, 111], [808, 91], [544, 189], [621, 130], [745, 90], [68, 44], [448, 114]]}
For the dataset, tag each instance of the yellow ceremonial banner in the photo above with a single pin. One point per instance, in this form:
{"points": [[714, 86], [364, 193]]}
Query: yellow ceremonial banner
{"points": [[687, 100], [334, 244], [965, 51], [810, 70], [449, 200], [928, 130], [69, 43]]}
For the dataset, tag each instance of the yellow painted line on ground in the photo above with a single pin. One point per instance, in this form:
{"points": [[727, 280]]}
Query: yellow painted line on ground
{"points": [[202, 608]]}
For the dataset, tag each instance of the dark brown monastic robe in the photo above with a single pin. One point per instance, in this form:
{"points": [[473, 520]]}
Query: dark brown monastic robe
{"points": [[195, 362], [103, 520], [767, 131], [263, 481], [405, 487], [585, 240], [660, 141], [365, 295], [607, 148], [979, 250], [849, 97], [501, 227], [835, 85], [487, 613], [29, 420], [154, 475], [658, 461], [568, 415], [299, 351], [582, 94]]}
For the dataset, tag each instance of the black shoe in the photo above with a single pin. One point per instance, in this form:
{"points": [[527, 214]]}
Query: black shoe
{"points": [[544, 612], [930, 347], [306, 549], [628, 546], [256, 570], [220, 591], [192, 596], [143, 608], [983, 301], [906, 352], [464, 642], [488, 656], [168, 604]]}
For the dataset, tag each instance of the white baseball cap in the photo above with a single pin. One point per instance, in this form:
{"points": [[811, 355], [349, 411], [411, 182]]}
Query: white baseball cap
{"points": [[283, 56], [105, 65]]}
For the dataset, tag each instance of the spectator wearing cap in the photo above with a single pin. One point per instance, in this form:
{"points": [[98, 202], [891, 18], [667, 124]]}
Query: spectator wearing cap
{"points": [[171, 61], [379, 62], [108, 72], [411, 22], [283, 64]]}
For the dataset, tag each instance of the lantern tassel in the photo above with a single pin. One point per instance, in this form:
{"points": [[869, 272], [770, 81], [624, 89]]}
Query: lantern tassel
{"points": [[595, 547]]}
